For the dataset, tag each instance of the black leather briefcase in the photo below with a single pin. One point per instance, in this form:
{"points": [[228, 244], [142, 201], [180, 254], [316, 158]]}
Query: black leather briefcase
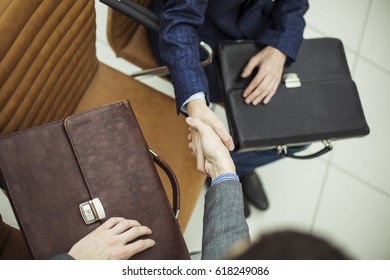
{"points": [[317, 99]]}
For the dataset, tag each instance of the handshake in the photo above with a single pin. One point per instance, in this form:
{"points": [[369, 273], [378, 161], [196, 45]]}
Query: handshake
{"points": [[119, 238], [212, 156]]}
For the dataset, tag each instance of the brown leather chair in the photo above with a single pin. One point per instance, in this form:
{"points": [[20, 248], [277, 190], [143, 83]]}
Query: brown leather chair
{"points": [[49, 70], [128, 38]]}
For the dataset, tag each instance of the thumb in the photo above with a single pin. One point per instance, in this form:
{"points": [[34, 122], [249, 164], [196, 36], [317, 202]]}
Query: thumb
{"points": [[252, 64], [195, 123], [225, 137]]}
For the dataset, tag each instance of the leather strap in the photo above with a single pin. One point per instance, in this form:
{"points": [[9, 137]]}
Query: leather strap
{"points": [[172, 178], [283, 151]]}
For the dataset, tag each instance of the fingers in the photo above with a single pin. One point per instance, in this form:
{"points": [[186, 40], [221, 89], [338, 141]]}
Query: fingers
{"points": [[206, 130], [124, 225], [261, 89], [128, 245], [226, 138], [197, 130], [263, 86], [111, 241], [127, 232], [129, 238], [200, 160], [129, 229], [111, 222], [196, 147], [253, 85], [136, 247], [195, 123], [134, 233], [202, 112], [251, 65], [266, 95]]}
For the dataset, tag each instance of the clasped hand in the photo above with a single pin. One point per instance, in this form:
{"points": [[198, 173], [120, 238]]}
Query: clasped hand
{"points": [[212, 156]]}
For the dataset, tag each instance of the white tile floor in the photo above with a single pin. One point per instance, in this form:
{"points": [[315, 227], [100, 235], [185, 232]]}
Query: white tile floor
{"points": [[344, 196]]}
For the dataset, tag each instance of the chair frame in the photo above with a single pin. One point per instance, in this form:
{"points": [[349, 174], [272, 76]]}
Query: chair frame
{"points": [[149, 19]]}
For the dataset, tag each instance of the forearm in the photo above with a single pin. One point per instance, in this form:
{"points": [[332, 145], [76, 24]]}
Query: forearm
{"points": [[179, 45], [224, 223]]}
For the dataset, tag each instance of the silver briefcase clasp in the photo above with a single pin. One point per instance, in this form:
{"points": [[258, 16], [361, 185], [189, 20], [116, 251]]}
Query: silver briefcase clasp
{"points": [[92, 211], [291, 80]]}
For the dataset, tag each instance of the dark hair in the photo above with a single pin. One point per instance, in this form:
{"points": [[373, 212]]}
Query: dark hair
{"points": [[291, 245]]}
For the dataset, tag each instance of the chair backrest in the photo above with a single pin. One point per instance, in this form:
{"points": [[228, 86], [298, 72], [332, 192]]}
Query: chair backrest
{"points": [[129, 39], [47, 60]]}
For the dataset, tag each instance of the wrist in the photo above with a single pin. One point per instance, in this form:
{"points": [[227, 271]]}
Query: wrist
{"points": [[216, 170], [195, 107], [276, 52]]}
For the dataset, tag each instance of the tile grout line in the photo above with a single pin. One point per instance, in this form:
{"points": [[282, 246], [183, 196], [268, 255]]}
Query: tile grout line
{"points": [[360, 180], [356, 52], [329, 166], [322, 190], [361, 37], [374, 64]]}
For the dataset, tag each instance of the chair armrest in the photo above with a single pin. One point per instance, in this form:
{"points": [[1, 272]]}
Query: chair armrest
{"points": [[135, 11], [163, 70], [146, 17]]}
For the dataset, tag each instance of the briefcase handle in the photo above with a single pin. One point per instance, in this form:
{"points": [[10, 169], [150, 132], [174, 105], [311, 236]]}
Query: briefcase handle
{"points": [[172, 178], [282, 150]]}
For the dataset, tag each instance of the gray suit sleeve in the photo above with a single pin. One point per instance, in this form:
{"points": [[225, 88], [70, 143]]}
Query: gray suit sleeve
{"points": [[223, 222]]}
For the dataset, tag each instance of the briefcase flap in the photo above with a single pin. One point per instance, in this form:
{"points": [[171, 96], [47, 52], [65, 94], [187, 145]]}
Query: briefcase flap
{"points": [[50, 170], [298, 115], [41, 188]]}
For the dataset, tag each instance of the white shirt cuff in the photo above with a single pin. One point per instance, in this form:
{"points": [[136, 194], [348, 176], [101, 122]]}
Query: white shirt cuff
{"points": [[198, 95]]}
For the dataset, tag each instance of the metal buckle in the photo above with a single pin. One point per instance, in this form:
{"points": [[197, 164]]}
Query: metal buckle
{"points": [[328, 143], [92, 211], [291, 80], [281, 150]]}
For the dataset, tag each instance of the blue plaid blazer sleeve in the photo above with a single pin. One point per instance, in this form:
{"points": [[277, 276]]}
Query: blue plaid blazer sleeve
{"points": [[179, 47], [284, 30]]}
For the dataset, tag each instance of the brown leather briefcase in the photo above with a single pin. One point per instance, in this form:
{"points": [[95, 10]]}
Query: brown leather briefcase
{"points": [[57, 173]]}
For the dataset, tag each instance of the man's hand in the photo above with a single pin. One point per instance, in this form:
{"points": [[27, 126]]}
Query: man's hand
{"points": [[199, 109], [212, 156], [113, 240], [262, 88]]}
